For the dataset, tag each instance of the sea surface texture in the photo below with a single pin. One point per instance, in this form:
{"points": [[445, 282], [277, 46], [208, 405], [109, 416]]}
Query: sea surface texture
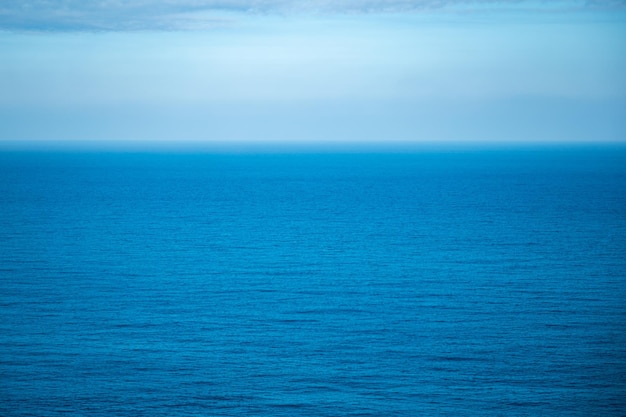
{"points": [[487, 283]]}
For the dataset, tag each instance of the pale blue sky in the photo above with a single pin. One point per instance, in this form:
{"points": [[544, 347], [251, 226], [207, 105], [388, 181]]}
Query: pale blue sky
{"points": [[345, 71]]}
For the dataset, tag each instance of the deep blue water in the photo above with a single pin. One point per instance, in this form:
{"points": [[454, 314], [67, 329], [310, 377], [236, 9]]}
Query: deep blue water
{"points": [[398, 284]]}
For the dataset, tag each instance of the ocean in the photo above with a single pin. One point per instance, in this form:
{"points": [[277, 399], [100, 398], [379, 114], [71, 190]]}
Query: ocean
{"points": [[488, 282]]}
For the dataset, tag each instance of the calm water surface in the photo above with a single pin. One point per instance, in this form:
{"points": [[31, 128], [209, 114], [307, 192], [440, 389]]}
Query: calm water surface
{"points": [[429, 283]]}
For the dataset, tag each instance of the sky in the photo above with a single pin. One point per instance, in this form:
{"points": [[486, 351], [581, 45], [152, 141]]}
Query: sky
{"points": [[317, 71]]}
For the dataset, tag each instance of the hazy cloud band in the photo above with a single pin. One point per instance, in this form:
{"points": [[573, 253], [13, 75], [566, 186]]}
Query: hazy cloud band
{"points": [[120, 15]]}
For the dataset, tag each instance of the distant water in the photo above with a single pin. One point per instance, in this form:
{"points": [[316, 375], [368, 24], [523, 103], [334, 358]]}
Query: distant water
{"points": [[426, 283]]}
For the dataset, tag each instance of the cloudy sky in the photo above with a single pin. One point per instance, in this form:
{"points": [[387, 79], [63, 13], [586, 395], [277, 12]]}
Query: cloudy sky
{"points": [[317, 71]]}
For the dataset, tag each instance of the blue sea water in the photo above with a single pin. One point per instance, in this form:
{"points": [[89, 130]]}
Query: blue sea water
{"points": [[330, 284]]}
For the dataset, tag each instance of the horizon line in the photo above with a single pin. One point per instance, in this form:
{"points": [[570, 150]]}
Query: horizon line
{"points": [[160, 146]]}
